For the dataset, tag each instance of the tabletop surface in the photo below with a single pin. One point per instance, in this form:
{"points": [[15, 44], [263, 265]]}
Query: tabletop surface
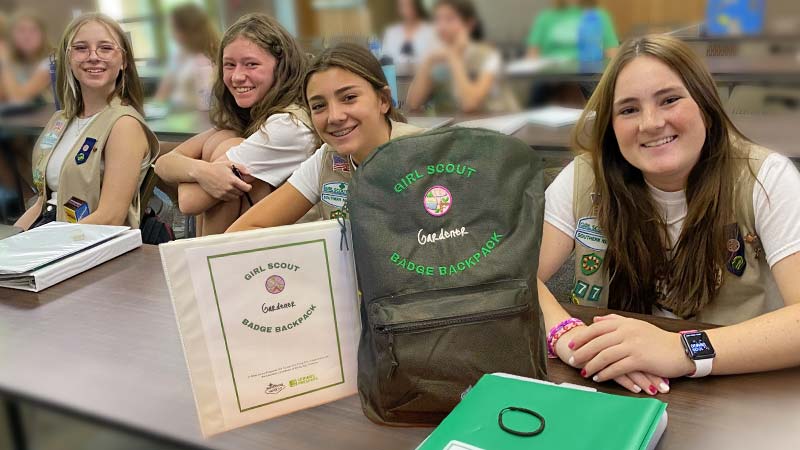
{"points": [[105, 345]]}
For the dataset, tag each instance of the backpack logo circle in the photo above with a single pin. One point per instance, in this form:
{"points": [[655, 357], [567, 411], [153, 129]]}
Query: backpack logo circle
{"points": [[275, 284], [437, 200]]}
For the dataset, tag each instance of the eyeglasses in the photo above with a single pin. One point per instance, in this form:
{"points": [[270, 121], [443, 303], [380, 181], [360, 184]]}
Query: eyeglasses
{"points": [[104, 52]]}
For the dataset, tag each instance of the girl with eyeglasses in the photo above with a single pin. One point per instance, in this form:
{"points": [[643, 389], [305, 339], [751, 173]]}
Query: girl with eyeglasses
{"points": [[92, 156]]}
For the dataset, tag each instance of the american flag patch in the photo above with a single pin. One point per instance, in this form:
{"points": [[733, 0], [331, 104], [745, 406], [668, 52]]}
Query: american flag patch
{"points": [[340, 164]]}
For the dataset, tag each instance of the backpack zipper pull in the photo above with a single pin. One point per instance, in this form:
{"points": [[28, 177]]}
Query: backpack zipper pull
{"points": [[343, 228], [394, 359]]}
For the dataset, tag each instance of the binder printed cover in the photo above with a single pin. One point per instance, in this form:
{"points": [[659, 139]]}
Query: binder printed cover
{"points": [[269, 321]]}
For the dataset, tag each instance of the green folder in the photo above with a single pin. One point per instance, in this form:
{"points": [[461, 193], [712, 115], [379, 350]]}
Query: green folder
{"points": [[575, 418]]}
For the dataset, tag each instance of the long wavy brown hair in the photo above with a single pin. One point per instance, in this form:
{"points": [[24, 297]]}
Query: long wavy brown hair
{"points": [[43, 51], [286, 89], [128, 88], [636, 259]]}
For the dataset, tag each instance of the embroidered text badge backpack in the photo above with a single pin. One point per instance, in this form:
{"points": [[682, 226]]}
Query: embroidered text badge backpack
{"points": [[446, 228]]}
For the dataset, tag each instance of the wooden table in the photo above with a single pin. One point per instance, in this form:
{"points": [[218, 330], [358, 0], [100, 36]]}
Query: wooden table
{"points": [[177, 126], [105, 346], [778, 132], [726, 70]]}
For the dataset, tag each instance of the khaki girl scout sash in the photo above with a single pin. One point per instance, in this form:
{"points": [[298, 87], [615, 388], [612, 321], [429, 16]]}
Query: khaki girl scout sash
{"points": [[337, 171], [80, 176], [741, 295]]}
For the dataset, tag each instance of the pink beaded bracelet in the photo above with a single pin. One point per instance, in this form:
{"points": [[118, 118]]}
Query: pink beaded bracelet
{"points": [[559, 330]]}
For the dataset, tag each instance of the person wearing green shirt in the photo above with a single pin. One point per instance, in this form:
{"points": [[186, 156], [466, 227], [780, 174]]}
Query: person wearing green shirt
{"points": [[554, 33]]}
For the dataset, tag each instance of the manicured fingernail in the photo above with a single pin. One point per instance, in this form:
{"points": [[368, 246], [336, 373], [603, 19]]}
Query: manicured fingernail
{"points": [[636, 389], [571, 345], [663, 388], [596, 379], [583, 373], [571, 361], [666, 380], [653, 389]]}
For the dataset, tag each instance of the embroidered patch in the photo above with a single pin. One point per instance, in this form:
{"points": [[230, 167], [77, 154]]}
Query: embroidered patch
{"points": [[437, 200], [334, 194], [589, 234], [338, 214], [49, 140], [275, 284], [591, 263], [580, 289], [735, 262], [86, 149], [340, 164], [59, 126], [594, 293]]}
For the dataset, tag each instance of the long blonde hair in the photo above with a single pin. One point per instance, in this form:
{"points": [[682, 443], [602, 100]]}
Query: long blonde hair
{"points": [[128, 88], [636, 260], [268, 34]]}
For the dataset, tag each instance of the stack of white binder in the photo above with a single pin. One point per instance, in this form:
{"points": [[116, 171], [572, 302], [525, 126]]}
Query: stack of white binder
{"points": [[39, 258]]}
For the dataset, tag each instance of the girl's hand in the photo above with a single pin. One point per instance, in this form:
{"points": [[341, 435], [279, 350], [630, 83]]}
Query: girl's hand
{"points": [[635, 382], [614, 345], [219, 181]]}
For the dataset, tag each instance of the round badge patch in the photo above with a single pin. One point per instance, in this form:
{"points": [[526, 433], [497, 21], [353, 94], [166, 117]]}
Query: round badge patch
{"points": [[275, 284], [590, 263], [733, 245], [437, 201]]}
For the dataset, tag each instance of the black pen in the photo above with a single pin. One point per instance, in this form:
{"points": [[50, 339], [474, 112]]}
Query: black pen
{"points": [[239, 176]]}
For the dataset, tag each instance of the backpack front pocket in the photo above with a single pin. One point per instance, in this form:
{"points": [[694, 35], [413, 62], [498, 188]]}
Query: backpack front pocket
{"points": [[431, 346]]}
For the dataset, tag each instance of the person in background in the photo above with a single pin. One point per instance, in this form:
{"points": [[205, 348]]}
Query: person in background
{"points": [[554, 34], [261, 127], [671, 211], [464, 74], [24, 61], [351, 107], [94, 154], [409, 41], [190, 75]]}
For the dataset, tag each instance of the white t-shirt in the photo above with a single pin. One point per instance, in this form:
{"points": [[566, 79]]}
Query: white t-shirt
{"points": [[193, 78], [422, 42], [273, 152], [776, 207], [306, 178]]}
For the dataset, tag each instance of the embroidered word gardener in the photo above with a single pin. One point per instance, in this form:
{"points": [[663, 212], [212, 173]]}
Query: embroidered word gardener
{"points": [[442, 235]]}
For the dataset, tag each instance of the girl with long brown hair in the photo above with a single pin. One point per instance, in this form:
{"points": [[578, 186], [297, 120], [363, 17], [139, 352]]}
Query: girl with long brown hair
{"points": [[190, 75], [351, 107], [671, 211], [261, 126], [24, 60]]}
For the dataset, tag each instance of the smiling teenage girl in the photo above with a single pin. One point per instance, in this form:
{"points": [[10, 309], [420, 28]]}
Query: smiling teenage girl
{"points": [[351, 107], [258, 96], [673, 212], [97, 150]]}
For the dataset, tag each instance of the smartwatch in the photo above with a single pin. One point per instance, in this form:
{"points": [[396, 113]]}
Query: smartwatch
{"points": [[698, 348]]}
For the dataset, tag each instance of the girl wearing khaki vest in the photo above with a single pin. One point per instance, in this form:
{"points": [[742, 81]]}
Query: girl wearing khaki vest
{"points": [[93, 154], [261, 127], [351, 107], [671, 211], [465, 74]]}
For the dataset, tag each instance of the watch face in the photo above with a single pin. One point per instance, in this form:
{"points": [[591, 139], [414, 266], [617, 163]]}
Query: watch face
{"points": [[698, 345]]}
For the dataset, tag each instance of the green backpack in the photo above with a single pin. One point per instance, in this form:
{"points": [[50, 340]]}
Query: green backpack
{"points": [[446, 231]]}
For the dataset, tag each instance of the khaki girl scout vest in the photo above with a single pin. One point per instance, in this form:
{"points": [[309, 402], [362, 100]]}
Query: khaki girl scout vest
{"points": [[741, 295], [80, 175], [337, 170], [500, 97]]}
